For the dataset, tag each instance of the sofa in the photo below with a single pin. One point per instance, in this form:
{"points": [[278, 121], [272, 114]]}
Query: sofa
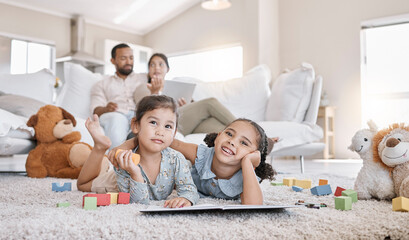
{"points": [[286, 108]]}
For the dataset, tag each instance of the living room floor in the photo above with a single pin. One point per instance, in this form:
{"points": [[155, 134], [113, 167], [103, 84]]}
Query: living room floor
{"points": [[341, 167]]}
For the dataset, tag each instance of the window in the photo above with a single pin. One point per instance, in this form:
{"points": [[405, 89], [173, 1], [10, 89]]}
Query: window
{"points": [[385, 75], [213, 65], [29, 57]]}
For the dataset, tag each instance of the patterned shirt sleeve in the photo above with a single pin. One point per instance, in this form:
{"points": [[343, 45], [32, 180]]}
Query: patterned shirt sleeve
{"points": [[183, 180], [138, 191]]}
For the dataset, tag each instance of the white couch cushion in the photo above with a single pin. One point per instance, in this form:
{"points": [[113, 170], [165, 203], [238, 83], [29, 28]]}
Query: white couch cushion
{"points": [[11, 125], [244, 97], [291, 94], [38, 85], [75, 97]]}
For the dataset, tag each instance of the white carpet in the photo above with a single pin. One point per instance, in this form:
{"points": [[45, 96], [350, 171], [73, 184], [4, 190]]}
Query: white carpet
{"points": [[28, 211]]}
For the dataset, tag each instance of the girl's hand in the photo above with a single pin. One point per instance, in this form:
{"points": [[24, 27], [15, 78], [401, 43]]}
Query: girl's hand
{"points": [[124, 161], [177, 203], [157, 83], [253, 157]]}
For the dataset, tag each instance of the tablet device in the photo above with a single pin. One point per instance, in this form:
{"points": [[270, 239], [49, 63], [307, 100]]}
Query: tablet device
{"points": [[177, 90]]}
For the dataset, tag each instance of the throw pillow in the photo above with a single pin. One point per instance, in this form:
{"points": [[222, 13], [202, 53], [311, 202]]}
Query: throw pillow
{"points": [[291, 95], [10, 122], [20, 105]]}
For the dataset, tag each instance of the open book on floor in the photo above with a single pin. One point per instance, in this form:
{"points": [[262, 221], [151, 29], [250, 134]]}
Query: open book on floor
{"points": [[211, 207]]}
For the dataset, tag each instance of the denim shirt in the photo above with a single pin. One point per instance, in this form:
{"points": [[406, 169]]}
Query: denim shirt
{"points": [[205, 180], [174, 170]]}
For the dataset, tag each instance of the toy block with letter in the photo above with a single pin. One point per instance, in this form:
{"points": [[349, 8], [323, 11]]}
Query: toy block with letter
{"points": [[288, 181], [338, 191], [136, 158], [114, 197], [321, 190], [90, 203], [343, 203], [297, 189], [323, 182], [56, 187], [102, 199], [306, 183], [350, 193], [400, 204], [123, 198]]}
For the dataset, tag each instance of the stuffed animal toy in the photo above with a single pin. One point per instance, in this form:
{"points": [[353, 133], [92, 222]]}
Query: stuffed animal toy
{"points": [[58, 152], [391, 147], [373, 180]]}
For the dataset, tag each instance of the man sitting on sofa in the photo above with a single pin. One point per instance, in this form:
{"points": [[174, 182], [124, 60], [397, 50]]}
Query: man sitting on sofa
{"points": [[112, 98]]}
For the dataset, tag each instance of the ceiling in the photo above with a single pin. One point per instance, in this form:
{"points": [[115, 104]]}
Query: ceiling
{"points": [[134, 16]]}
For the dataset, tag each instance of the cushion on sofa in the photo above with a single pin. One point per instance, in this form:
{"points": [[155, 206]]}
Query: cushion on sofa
{"points": [[19, 105], [10, 122], [244, 97], [291, 94], [38, 85], [75, 97]]}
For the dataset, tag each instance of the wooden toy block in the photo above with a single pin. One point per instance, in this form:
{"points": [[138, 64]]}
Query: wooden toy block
{"points": [[114, 197], [90, 203], [323, 182], [297, 189], [64, 204], [350, 193], [123, 198], [338, 191], [136, 158], [306, 183], [343, 203], [288, 181], [56, 187], [277, 183], [321, 190], [400, 204], [102, 199]]}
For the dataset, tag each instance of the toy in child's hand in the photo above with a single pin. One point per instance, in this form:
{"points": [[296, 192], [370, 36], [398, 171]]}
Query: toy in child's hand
{"points": [[373, 179], [391, 147], [136, 158]]}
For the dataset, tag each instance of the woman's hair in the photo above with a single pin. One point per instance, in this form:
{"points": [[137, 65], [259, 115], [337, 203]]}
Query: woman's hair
{"points": [[161, 55], [264, 170]]}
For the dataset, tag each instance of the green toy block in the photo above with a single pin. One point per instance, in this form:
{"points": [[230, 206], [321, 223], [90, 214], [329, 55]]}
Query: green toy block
{"points": [[350, 193], [64, 204], [343, 203], [90, 203], [277, 183]]}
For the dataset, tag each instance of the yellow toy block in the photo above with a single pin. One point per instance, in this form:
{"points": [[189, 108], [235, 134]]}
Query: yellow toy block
{"points": [[323, 182], [114, 197], [306, 183], [400, 204], [289, 181]]}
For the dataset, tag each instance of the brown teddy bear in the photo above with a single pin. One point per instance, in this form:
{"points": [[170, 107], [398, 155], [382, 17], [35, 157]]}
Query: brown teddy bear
{"points": [[391, 147], [58, 152]]}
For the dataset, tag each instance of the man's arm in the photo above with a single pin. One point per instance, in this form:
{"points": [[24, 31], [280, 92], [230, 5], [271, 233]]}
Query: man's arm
{"points": [[110, 107]]}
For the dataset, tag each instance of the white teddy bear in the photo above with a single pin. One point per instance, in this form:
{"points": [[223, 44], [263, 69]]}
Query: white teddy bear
{"points": [[373, 180]]}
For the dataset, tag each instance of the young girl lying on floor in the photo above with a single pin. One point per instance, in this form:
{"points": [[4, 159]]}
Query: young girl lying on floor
{"points": [[225, 169], [160, 168]]}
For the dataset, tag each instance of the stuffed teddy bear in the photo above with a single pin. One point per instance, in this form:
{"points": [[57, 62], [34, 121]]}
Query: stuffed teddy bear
{"points": [[58, 152], [373, 179], [391, 147]]}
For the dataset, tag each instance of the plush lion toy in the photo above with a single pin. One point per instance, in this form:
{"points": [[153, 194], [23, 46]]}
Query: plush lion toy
{"points": [[390, 147], [58, 152]]}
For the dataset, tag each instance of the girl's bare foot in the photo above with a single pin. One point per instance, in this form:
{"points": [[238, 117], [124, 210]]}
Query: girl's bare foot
{"points": [[101, 142]]}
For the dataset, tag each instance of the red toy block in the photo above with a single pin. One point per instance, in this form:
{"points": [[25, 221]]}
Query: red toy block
{"points": [[123, 198], [102, 199], [338, 192]]}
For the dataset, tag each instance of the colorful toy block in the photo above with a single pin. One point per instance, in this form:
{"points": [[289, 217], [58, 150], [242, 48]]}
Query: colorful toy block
{"points": [[56, 187], [288, 181], [343, 203], [322, 182], [114, 197], [338, 191], [64, 204], [277, 183], [306, 183], [321, 190], [90, 203], [123, 198], [297, 189], [350, 193], [103, 199], [400, 204], [136, 158]]}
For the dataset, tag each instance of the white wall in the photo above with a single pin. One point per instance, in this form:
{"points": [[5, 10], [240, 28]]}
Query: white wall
{"points": [[326, 33]]}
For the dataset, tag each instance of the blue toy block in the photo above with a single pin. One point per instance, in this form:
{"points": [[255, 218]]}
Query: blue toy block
{"points": [[297, 189], [321, 190], [56, 187]]}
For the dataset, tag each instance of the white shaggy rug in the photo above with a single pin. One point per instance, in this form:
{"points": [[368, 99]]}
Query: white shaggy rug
{"points": [[28, 211]]}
